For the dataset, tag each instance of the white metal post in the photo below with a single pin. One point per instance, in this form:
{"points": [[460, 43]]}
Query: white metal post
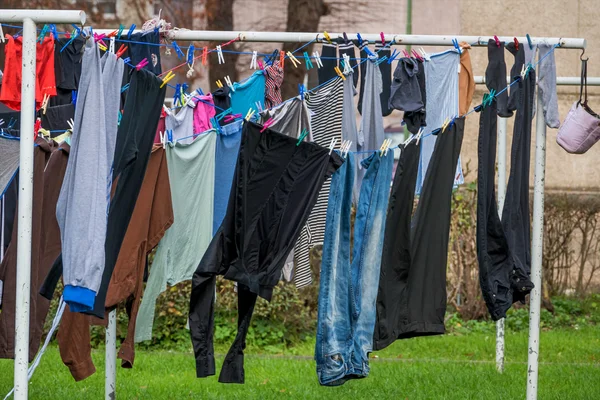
{"points": [[501, 195], [110, 369], [25, 211], [537, 245]]}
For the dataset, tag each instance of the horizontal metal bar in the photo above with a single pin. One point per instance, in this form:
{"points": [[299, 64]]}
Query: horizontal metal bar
{"points": [[561, 80], [44, 16], [401, 40]]}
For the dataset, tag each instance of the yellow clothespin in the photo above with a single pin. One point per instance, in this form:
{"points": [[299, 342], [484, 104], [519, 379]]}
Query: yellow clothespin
{"points": [[389, 143], [339, 72], [327, 37], [293, 59], [219, 84], [445, 124], [249, 114], [170, 75], [45, 102]]}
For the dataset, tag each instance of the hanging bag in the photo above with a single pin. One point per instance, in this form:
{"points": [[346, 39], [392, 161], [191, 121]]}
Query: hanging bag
{"points": [[581, 129]]}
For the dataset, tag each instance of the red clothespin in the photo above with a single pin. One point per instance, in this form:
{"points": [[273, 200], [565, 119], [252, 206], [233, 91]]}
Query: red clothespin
{"points": [[231, 117], [141, 64], [516, 44], [497, 40], [204, 55], [281, 58], [382, 38], [267, 124], [121, 50]]}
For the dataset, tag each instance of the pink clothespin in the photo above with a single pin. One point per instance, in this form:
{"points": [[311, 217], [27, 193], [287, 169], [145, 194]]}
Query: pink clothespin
{"points": [[260, 64], [141, 64], [405, 53], [231, 117], [497, 40], [416, 55], [267, 124], [99, 37], [382, 38]]}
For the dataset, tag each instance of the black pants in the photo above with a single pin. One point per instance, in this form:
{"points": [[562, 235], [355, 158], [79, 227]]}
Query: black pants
{"points": [[413, 300], [495, 77], [515, 214], [275, 186]]}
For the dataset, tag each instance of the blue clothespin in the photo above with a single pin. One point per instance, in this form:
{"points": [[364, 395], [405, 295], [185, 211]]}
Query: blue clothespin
{"points": [[199, 92], [124, 88], [130, 31], [70, 40], [74, 97], [127, 61], [307, 61], [177, 49], [302, 90], [368, 51], [393, 56], [360, 39], [529, 41], [215, 124], [382, 59], [190, 56], [170, 135], [119, 119], [456, 46], [43, 34], [53, 31]]}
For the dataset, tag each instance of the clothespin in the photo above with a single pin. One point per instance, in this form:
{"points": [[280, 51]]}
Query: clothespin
{"points": [[347, 66], [302, 136], [162, 139], [228, 82], [253, 64], [368, 51], [220, 55], [393, 56], [127, 60], [176, 96], [102, 46], [74, 96], [417, 55], [99, 37], [45, 102], [347, 148], [215, 124], [43, 34], [381, 35], [175, 46], [111, 46], [130, 31], [337, 71], [293, 59], [204, 55], [456, 45], [36, 127], [141, 64], [307, 61], [120, 115], [387, 147], [199, 92], [170, 75], [332, 144], [71, 123], [2, 39], [327, 37], [423, 53], [249, 114], [529, 68], [516, 44], [345, 38], [121, 50], [170, 135], [190, 61], [219, 84], [267, 124], [445, 124], [259, 106], [497, 40], [359, 39], [120, 31], [380, 60], [260, 65], [52, 30], [529, 41], [281, 58], [301, 90], [222, 114], [317, 58], [232, 117]]}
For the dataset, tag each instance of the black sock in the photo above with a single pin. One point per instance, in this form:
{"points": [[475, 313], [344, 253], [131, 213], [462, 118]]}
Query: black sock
{"points": [[349, 49], [495, 76], [329, 60], [363, 72], [386, 79], [515, 72]]}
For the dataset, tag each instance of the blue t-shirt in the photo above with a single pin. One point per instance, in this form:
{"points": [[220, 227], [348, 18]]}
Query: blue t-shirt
{"points": [[247, 93]]}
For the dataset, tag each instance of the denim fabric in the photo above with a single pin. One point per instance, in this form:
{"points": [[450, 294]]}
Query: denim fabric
{"points": [[348, 289]]}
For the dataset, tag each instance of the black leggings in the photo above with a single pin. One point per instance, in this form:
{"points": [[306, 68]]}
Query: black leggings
{"points": [[275, 186]]}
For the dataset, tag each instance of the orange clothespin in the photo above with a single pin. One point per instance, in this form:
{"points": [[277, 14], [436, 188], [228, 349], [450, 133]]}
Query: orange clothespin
{"points": [[339, 72], [170, 75], [281, 58], [204, 55], [121, 50]]}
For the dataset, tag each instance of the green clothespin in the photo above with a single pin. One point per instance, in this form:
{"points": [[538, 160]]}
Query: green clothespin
{"points": [[302, 136], [43, 34], [307, 61]]}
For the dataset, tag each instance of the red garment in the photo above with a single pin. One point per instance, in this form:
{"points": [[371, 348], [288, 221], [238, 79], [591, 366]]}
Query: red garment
{"points": [[10, 94], [160, 128]]}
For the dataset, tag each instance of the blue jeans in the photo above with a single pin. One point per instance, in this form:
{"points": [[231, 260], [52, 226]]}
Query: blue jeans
{"points": [[348, 289]]}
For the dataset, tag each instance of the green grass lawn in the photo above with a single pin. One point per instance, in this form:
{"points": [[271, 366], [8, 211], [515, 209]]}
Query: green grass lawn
{"points": [[442, 367]]}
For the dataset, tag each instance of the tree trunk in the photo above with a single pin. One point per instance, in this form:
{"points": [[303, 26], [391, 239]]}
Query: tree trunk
{"points": [[303, 16], [219, 17]]}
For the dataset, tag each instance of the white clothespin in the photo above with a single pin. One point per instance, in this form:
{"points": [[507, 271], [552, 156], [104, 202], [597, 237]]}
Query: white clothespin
{"points": [[410, 138], [348, 148], [70, 122], [259, 106], [523, 71], [317, 58], [111, 46], [45, 103], [2, 35], [347, 67], [332, 145], [419, 135], [220, 55], [389, 143], [253, 63], [162, 139], [228, 82]]}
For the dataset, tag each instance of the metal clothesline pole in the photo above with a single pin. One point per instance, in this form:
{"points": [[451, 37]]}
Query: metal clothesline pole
{"points": [[29, 19]]}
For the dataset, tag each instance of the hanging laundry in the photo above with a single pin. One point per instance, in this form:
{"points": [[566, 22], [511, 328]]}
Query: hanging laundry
{"points": [[161, 126], [83, 201], [262, 223], [273, 82], [409, 269], [495, 77], [466, 81], [222, 100], [56, 118], [152, 216], [192, 176], [245, 94], [290, 117], [150, 51], [204, 110], [49, 165], [67, 68], [325, 105], [414, 120], [547, 85], [385, 71], [349, 129], [181, 122], [349, 50], [348, 289], [9, 162], [227, 149], [442, 94], [405, 94], [10, 92], [515, 73], [329, 60]]}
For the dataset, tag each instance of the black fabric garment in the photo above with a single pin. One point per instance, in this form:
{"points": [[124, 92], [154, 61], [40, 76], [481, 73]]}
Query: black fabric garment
{"points": [[67, 69], [405, 93], [9, 209], [515, 73], [495, 76], [386, 79], [363, 73], [56, 117], [150, 51], [275, 186], [135, 138], [396, 259], [416, 119], [493, 253], [348, 48], [222, 100], [515, 213], [413, 301], [329, 60], [49, 285]]}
